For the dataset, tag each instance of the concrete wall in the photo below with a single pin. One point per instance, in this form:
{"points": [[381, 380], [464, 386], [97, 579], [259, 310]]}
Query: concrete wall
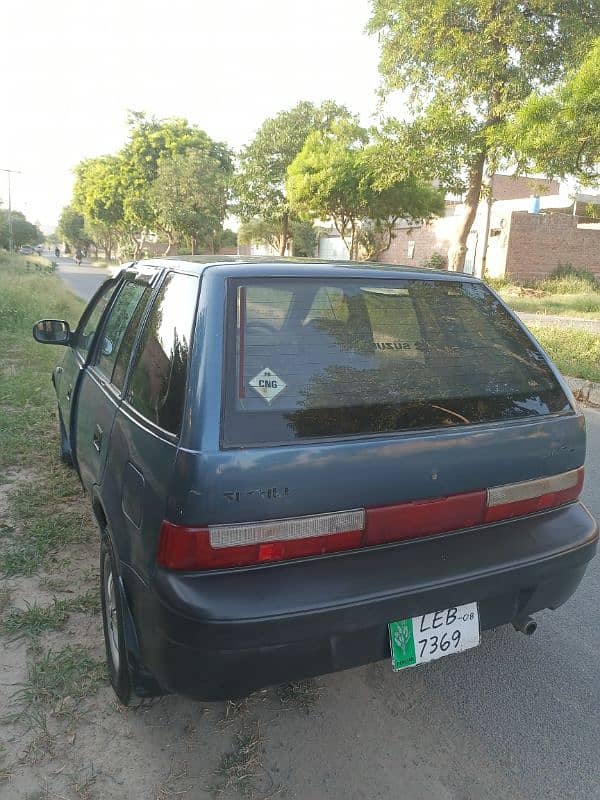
{"points": [[538, 243]]}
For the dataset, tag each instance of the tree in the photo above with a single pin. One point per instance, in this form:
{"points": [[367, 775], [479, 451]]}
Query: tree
{"points": [[260, 185], [71, 226], [467, 66], [189, 197], [336, 176], [301, 234], [325, 177], [558, 133], [150, 141], [24, 232], [97, 195]]}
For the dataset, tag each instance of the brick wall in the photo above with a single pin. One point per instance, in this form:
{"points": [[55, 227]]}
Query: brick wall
{"points": [[428, 239], [538, 243], [509, 187]]}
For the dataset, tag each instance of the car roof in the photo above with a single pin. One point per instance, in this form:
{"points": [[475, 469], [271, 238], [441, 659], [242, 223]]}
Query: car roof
{"points": [[268, 266]]}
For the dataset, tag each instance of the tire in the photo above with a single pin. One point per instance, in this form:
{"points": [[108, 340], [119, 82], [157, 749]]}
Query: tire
{"points": [[113, 620], [64, 451]]}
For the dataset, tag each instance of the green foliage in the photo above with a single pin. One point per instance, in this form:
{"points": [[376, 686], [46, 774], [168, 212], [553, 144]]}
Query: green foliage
{"points": [[189, 196], [115, 200], [228, 238], [336, 176], [575, 352], [259, 230], [150, 142], [304, 239], [260, 184], [567, 279], [467, 66], [71, 226], [436, 261], [558, 133], [24, 232]]}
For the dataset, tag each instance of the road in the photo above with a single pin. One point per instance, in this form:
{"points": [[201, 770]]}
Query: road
{"points": [[515, 718], [83, 280], [556, 321]]}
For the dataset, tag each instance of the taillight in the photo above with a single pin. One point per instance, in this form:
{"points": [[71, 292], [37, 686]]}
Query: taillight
{"points": [[527, 497], [220, 546], [223, 546]]}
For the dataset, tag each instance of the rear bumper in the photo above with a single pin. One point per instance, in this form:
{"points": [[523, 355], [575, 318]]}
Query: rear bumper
{"points": [[223, 634]]}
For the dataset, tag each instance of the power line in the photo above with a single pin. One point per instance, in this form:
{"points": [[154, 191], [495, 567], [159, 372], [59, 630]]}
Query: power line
{"points": [[10, 172]]}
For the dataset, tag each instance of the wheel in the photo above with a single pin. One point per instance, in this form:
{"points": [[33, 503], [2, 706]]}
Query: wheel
{"points": [[64, 451], [112, 617]]}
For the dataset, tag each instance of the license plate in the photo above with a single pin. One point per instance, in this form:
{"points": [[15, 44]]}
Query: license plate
{"points": [[431, 636]]}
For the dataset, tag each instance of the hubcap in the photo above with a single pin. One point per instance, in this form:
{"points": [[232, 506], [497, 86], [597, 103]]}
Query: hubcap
{"points": [[112, 621]]}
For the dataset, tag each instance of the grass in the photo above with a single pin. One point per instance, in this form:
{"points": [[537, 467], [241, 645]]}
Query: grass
{"points": [[567, 291], [35, 619], [584, 305], [575, 352], [42, 515], [55, 675]]}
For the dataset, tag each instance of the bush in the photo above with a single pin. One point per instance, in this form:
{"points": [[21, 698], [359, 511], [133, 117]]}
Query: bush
{"points": [[567, 279], [436, 261]]}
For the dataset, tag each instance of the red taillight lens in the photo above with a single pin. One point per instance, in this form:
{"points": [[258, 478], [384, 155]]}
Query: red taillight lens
{"points": [[238, 545]]}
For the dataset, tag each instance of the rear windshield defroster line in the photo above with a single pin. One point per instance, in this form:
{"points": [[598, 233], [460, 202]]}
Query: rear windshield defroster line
{"points": [[308, 358]]}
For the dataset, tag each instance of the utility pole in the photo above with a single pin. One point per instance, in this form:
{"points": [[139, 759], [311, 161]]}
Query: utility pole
{"points": [[11, 243]]}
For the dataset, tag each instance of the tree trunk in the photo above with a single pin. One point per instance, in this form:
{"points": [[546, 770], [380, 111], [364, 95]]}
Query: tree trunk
{"points": [[169, 245], [458, 251], [285, 234]]}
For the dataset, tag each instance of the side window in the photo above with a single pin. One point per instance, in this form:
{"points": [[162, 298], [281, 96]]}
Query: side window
{"points": [[122, 362], [114, 330], [157, 385], [91, 319]]}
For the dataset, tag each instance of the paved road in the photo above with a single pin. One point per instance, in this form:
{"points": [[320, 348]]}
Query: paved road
{"points": [[556, 321], [517, 718], [83, 280]]}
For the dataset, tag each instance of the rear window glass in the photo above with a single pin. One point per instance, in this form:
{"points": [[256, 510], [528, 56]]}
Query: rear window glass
{"points": [[307, 360]]}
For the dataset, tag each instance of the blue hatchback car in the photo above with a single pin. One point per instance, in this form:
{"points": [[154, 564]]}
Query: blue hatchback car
{"points": [[302, 467]]}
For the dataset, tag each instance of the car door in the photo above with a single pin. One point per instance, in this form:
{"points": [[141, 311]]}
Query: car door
{"points": [[99, 392], [66, 375], [148, 421]]}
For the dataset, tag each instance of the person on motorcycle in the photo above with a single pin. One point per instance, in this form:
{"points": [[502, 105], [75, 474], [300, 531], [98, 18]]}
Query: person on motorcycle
{"points": [[57, 252], [78, 257]]}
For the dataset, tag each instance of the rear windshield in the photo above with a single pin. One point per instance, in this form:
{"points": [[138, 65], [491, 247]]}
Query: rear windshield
{"points": [[307, 359]]}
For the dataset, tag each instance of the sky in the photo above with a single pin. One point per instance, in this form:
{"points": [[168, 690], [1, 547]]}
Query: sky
{"points": [[72, 68]]}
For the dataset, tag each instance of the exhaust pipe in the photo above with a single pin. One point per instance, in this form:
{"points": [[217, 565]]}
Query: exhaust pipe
{"points": [[527, 625]]}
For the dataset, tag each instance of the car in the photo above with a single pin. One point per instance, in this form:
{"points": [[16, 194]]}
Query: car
{"points": [[300, 467], [27, 250]]}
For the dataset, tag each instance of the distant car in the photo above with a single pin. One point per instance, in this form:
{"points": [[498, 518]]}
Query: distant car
{"points": [[303, 467], [26, 250]]}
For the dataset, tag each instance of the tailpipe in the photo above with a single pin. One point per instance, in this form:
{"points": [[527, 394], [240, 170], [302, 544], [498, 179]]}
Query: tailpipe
{"points": [[527, 625]]}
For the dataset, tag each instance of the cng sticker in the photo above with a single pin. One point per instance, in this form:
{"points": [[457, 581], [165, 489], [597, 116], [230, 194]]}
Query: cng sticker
{"points": [[267, 384]]}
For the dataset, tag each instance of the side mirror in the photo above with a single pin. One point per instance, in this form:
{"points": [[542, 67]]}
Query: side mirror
{"points": [[52, 331]]}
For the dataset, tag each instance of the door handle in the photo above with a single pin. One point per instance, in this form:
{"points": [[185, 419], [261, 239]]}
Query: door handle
{"points": [[69, 391], [97, 438]]}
